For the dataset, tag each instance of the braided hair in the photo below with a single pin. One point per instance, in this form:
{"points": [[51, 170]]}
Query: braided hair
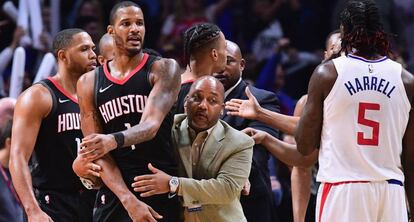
{"points": [[198, 36], [362, 29]]}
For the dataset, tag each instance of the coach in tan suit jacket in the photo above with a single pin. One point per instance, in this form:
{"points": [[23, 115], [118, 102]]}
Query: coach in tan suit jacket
{"points": [[214, 159]]}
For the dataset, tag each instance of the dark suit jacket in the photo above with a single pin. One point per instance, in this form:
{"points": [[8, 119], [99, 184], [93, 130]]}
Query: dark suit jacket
{"points": [[259, 205]]}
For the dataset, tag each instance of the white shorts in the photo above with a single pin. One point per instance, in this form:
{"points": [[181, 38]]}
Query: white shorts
{"points": [[361, 202]]}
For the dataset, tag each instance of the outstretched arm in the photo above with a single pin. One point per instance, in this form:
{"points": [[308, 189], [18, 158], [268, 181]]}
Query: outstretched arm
{"points": [[285, 152], [28, 116], [251, 109]]}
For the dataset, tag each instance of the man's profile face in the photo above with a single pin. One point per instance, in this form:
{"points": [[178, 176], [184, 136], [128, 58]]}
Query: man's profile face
{"points": [[333, 45], [129, 29], [222, 54], [233, 69], [80, 53], [204, 104]]}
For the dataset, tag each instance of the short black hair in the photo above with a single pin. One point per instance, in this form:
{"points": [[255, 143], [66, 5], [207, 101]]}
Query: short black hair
{"points": [[5, 130], [198, 36], [114, 10], [64, 38], [363, 30]]}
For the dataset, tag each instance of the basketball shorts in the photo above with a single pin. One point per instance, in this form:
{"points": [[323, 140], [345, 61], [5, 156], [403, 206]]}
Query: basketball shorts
{"points": [[361, 201], [108, 208], [67, 207]]}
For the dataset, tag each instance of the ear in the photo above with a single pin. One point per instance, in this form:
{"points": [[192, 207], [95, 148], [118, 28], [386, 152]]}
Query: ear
{"points": [[101, 60], [8, 143], [61, 55], [214, 55], [110, 29], [242, 65], [222, 109]]}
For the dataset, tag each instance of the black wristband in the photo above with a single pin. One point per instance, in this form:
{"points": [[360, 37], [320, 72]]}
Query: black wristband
{"points": [[119, 138]]}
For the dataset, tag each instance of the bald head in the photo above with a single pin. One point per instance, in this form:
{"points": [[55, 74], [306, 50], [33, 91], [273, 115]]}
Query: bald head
{"points": [[208, 82], [234, 67], [6, 117], [7, 107], [106, 48], [204, 103]]}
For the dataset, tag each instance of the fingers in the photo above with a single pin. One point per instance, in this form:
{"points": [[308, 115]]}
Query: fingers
{"points": [[249, 131], [149, 193], [143, 177], [148, 188], [152, 169], [93, 173], [249, 94], [154, 213]]}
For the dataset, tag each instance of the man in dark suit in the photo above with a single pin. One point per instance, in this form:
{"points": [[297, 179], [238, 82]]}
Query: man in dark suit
{"points": [[258, 205]]}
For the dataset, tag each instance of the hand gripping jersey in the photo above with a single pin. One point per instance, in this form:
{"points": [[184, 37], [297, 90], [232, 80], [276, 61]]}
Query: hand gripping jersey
{"points": [[57, 143], [364, 120], [121, 104]]}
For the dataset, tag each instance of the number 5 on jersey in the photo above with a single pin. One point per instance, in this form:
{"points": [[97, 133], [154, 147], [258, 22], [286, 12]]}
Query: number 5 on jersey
{"points": [[363, 107]]}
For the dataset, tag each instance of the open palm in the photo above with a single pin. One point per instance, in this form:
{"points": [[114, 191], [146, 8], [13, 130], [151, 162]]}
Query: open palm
{"points": [[248, 109]]}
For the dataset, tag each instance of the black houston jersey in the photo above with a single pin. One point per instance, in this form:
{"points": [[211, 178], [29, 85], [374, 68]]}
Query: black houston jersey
{"points": [[121, 104], [57, 143]]}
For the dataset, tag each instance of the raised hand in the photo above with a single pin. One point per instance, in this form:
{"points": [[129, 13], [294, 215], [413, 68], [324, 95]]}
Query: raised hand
{"points": [[156, 183], [248, 109]]}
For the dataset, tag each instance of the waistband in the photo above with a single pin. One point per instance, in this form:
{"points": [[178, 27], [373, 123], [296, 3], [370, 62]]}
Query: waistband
{"points": [[390, 181]]}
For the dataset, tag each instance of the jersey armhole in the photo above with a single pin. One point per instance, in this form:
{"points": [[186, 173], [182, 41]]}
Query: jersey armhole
{"points": [[45, 83], [149, 64], [96, 86]]}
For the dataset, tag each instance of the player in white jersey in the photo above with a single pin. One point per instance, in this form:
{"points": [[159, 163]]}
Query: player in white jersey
{"points": [[358, 114]]}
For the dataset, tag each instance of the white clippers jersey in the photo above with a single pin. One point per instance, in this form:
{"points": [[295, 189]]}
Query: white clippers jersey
{"points": [[364, 120]]}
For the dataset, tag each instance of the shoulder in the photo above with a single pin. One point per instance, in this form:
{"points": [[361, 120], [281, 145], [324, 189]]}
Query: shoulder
{"points": [[237, 138], [41, 106], [87, 78], [165, 69], [323, 78]]}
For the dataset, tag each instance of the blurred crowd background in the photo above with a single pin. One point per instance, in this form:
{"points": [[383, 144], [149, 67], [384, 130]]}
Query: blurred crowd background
{"points": [[281, 40]]}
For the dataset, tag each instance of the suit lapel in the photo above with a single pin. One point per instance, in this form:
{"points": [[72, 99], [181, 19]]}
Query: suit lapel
{"points": [[237, 93], [184, 146], [213, 144]]}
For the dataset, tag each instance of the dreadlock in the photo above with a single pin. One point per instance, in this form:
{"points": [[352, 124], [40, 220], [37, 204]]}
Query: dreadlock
{"points": [[362, 29], [198, 36]]}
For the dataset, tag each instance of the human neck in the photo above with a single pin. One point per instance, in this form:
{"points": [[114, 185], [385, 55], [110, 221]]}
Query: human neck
{"points": [[67, 80], [124, 64]]}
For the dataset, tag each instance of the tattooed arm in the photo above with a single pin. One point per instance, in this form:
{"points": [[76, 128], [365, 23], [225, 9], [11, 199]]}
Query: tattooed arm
{"points": [[110, 174]]}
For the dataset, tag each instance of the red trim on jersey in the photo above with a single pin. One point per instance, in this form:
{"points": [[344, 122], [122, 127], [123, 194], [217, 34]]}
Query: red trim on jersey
{"points": [[326, 188], [126, 78], [187, 81], [62, 90]]}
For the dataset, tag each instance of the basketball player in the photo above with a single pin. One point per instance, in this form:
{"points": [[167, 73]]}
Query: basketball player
{"points": [[106, 49], [46, 129], [134, 91], [358, 114], [205, 49]]}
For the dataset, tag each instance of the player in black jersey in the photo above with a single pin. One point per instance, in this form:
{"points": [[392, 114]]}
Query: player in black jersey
{"points": [[205, 50], [135, 91], [46, 129]]}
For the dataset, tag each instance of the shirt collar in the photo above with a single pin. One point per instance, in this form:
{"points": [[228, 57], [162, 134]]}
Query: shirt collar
{"points": [[193, 134], [232, 88]]}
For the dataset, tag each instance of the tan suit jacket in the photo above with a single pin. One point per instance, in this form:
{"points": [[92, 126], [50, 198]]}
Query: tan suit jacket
{"points": [[223, 168]]}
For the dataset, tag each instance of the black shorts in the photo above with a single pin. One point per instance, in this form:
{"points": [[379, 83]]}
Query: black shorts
{"points": [[67, 207], [108, 208]]}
